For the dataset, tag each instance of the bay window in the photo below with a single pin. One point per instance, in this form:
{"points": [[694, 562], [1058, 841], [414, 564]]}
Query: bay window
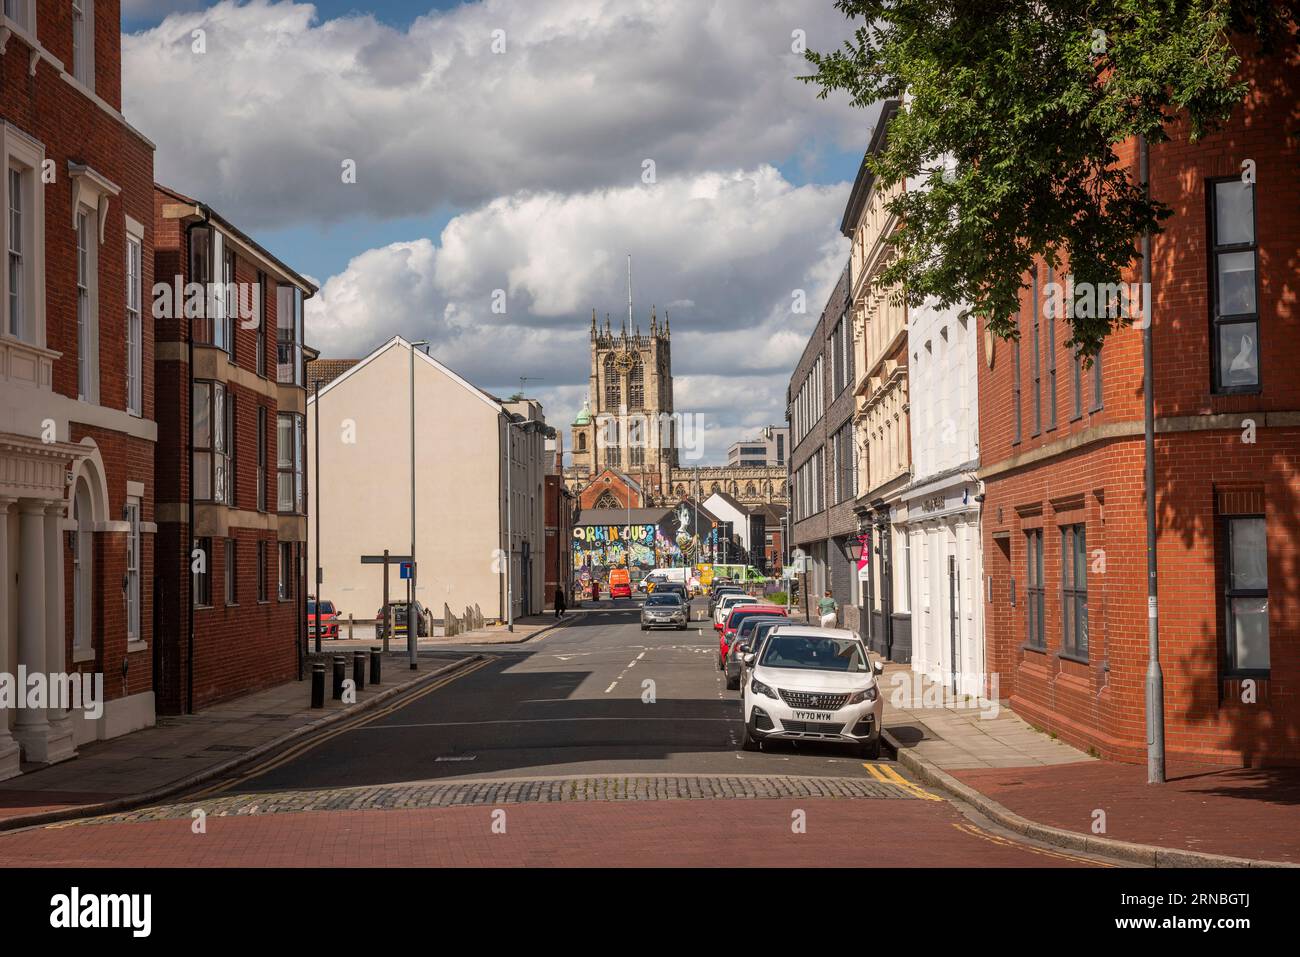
{"points": [[213, 438], [290, 450], [288, 334]]}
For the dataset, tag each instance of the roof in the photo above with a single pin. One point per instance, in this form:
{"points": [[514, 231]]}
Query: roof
{"points": [[866, 179], [397, 342], [326, 371], [621, 516], [730, 500], [305, 284]]}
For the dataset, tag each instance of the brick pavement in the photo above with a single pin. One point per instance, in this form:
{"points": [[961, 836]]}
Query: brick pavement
{"points": [[730, 833]]}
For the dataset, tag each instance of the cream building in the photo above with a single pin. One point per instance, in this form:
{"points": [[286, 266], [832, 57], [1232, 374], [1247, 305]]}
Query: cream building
{"points": [[882, 427], [464, 439]]}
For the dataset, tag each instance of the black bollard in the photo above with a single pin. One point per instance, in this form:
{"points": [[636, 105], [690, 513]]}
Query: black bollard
{"points": [[318, 685], [375, 663], [359, 669], [340, 670]]}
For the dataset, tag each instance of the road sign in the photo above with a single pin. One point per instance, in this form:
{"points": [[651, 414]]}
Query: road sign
{"points": [[405, 570]]}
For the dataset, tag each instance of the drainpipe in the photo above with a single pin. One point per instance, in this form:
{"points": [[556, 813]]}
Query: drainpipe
{"points": [[189, 453]]}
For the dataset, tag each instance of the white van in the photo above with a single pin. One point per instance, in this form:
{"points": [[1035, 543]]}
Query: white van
{"points": [[660, 575]]}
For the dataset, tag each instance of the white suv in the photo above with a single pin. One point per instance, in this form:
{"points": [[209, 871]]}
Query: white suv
{"points": [[812, 684]]}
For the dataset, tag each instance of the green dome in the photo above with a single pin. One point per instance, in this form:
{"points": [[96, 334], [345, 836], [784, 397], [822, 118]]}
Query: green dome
{"points": [[584, 417]]}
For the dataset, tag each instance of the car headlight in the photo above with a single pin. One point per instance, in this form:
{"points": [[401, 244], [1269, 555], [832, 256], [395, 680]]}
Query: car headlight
{"points": [[758, 687], [866, 694]]}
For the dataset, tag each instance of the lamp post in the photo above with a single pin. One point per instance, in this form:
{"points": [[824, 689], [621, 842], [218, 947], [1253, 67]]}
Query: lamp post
{"points": [[412, 626]]}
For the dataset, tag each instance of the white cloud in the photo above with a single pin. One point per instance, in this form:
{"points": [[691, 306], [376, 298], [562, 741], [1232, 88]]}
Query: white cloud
{"points": [[586, 90], [729, 249]]}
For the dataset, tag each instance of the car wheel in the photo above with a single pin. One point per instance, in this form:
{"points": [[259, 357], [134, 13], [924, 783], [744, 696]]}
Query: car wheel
{"points": [[751, 743], [733, 684], [871, 751]]}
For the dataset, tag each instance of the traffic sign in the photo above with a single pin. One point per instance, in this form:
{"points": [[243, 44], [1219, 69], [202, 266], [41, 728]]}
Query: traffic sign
{"points": [[405, 570]]}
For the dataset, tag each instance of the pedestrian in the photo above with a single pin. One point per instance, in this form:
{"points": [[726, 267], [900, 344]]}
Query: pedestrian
{"points": [[595, 590], [828, 608], [559, 601]]}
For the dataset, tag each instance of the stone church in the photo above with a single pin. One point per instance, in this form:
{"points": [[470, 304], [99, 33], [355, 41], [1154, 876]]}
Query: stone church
{"points": [[626, 440]]}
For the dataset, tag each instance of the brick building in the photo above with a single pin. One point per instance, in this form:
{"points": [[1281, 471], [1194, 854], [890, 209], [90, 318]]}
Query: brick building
{"points": [[231, 459], [1062, 460], [77, 428]]}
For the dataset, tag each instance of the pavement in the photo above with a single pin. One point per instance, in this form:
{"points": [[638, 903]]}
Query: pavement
{"points": [[1036, 785]]}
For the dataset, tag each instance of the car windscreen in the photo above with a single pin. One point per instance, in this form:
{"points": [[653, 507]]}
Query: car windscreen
{"points": [[311, 608], [814, 653], [664, 599], [327, 607], [749, 624]]}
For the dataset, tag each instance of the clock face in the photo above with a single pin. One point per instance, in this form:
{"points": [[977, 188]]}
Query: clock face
{"points": [[623, 362]]}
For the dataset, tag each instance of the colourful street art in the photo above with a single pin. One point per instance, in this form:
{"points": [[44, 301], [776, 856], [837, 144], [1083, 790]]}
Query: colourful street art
{"points": [[598, 548]]}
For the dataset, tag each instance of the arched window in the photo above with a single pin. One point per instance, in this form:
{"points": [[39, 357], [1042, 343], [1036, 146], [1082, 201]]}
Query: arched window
{"points": [[750, 490], [608, 500], [582, 441], [636, 383], [83, 571], [613, 385]]}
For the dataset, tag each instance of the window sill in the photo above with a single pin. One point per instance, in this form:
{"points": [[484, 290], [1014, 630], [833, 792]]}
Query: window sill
{"points": [[1034, 648], [137, 645], [82, 654], [1071, 656]]}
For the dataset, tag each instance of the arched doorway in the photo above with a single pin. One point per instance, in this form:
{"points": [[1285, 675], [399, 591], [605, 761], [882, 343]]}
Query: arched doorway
{"points": [[83, 570]]}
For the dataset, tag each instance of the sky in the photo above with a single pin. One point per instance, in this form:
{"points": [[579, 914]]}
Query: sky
{"points": [[507, 158]]}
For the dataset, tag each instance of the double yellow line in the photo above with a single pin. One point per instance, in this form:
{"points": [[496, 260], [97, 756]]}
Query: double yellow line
{"points": [[316, 741], [887, 775], [971, 829]]}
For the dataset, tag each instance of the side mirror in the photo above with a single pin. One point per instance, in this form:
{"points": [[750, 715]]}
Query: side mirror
{"points": [[878, 667], [748, 658], [743, 647]]}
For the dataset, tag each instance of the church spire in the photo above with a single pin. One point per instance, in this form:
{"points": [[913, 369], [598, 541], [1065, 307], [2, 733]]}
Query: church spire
{"points": [[593, 324]]}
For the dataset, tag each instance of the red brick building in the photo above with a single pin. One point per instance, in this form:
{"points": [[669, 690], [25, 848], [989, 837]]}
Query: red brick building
{"points": [[231, 461], [77, 428], [1062, 452]]}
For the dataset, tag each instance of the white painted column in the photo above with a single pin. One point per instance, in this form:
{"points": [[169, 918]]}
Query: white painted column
{"points": [[9, 750], [61, 745], [32, 728]]}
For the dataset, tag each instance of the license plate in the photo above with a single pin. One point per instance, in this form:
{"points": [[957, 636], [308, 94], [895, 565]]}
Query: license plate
{"points": [[812, 715]]}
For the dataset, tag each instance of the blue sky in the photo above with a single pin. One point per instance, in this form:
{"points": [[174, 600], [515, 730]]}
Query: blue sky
{"points": [[521, 172]]}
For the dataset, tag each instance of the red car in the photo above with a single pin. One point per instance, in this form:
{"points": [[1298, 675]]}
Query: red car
{"points": [[327, 619], [735, 617]]}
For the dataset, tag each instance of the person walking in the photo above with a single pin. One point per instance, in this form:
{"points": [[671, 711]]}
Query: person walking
{"points": [[829, 609], [559, 601]]}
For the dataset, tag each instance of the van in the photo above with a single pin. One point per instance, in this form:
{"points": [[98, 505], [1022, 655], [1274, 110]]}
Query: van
{"points": [[620, 583], [658, 575]]}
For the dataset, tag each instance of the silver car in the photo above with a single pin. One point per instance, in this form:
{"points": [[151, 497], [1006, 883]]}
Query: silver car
{"points": [[664, 610], [749, 636]]}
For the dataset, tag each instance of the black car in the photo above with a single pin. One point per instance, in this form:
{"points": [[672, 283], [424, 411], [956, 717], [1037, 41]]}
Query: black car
{"points": [[399, 620], [673, 588], [716, 593]]}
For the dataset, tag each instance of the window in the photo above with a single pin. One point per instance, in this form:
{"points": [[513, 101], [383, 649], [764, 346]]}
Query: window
{"points": [[284, 591], [134, 329], [1034, 588], [201, 325], [613, 385], [83, 306], [232, 572], [83, 42], [845, 463], [1037, 360], [232, 450], [288, 331], [1051, 359], [261, 570], [230, 296], [133, 570], [636, 439], [1235, 307], [1247, 595], [202, 571], [1074, 590], [21, 12], [289, 449], [1096, 383], [260, 360], [261, 458], [213, 429], [636, 383], [1015, 389], [16, 244]]}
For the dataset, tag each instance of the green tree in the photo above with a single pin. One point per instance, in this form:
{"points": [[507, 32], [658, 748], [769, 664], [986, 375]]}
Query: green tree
{"points": [[1028, 100]]}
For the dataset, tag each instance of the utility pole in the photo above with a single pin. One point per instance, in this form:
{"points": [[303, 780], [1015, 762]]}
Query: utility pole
{"points": [[510, 531], [315, 503], [412, 624], [1155, 683]]}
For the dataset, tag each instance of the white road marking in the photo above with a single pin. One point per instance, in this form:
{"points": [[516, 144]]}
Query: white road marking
{"points": [[611, 686]]}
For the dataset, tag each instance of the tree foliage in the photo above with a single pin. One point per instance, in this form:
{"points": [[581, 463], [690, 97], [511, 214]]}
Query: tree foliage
{"points": [[1027, 101]]}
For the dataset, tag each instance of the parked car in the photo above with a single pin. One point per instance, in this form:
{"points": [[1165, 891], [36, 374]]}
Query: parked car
{"points": [[324, 616], [726, 603], [746, 637], [717, 591], [739, 613], [664, 610], [815, 684], [674, 588], [742, 647], [399, 620], [620, 583]]}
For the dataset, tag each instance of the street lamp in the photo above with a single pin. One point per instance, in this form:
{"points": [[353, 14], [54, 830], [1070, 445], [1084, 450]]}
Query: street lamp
{"points": [[412, 626], [853, 546]]}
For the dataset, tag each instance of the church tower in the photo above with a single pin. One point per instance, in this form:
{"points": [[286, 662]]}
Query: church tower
{"points": [[627, 423]]}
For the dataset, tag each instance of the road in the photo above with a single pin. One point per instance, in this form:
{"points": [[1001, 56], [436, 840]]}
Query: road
{"points": [[597, 744]]}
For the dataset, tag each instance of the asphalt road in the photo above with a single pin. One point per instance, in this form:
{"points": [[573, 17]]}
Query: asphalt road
{"points": [[595, 744]]}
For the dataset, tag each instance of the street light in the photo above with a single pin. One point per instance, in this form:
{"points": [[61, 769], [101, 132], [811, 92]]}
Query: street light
{"points": [[853, 547], [412, 626]]}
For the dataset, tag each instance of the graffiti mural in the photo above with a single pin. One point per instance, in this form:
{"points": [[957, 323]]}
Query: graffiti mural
{"points": [[675, 541]]}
